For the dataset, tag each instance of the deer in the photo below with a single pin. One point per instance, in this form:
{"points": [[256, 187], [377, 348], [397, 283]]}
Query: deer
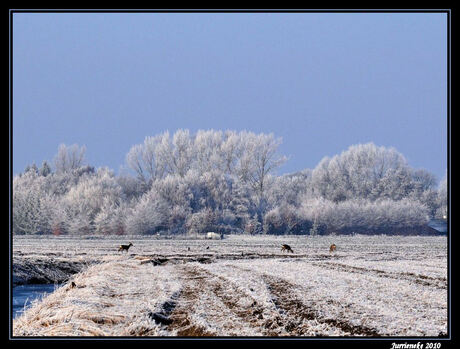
{"points": [[287, 248], [125, 247], [332, 248]]}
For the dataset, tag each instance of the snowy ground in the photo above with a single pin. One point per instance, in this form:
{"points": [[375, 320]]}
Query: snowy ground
{"points": [[243, 286]]}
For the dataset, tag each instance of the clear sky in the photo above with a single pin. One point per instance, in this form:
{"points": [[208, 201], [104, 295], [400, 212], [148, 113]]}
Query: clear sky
{"points": [[321, 81]]}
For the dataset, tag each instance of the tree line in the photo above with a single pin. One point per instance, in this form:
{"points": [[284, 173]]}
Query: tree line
{"points": [[226, 182]]}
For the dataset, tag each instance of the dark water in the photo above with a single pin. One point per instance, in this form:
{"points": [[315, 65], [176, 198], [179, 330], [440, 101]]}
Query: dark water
{"points": [[25, 294]]}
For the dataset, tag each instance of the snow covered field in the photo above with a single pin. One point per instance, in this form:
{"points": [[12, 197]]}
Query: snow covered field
{"points": [[243, 286]]}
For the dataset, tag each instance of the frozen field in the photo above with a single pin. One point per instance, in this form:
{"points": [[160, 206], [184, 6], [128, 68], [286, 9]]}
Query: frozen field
{"points": [[242, 286]]}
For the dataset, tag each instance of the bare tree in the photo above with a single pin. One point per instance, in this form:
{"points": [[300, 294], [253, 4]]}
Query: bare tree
{"points": [[261, 158], [134, 159], [69, 157]]}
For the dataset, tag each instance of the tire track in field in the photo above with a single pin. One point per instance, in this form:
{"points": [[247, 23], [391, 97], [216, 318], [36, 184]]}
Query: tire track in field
{"points": [[239, 313], [251, 314], [178, 317], [440, 283], [198, 282], [283, 295], [295, 318]]}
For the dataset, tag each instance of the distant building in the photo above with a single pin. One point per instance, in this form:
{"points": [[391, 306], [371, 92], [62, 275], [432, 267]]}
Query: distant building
{"points": [[438, 224]]}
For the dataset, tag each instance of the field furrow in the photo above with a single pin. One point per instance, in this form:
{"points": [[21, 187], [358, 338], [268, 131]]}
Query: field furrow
{"points": [[296, 310], [436, 282]]}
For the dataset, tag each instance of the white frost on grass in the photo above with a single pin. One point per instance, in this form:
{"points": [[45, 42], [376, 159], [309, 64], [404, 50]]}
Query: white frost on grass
{"points": [[110, 299], [392, 306], [394, 285]]}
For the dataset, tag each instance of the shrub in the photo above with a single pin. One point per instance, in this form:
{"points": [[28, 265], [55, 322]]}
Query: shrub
{"points": [[285, 220]]}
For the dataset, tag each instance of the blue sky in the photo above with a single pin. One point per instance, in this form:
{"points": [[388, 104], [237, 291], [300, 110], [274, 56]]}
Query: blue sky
{"points": [[321, 81]]}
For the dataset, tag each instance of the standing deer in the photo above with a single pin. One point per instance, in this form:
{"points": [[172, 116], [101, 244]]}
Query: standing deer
{"points": [[125, 247], [332, 248], [287, 248]]}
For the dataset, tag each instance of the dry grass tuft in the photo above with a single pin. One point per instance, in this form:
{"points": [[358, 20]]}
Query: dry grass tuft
{"points": [[114, 301]]}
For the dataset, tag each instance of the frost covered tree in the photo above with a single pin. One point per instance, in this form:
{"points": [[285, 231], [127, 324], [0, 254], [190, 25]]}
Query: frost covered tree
{"points": [[224, 182], [241, 206], [266, 159], [285, 219], [111, 218], [149, 215], [209, 155], [32, 168], [259, 159], [201, 222], [45, 169], [288, 189], [442, 199], [207, 151], [131, 187], [32, 205], [59, 183], [362, 171], [182, 153], [134, 159], [84, 201], [152, 159], [250, 156], [365, 216], [231, 151], [423, 190], [69, 157], [160, 156], [253, 226], [38, 205]]}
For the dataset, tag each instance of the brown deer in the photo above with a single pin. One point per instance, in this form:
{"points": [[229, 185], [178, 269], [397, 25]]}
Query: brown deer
{"points": [[287, 248], [125, 247], [332, 248]]}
